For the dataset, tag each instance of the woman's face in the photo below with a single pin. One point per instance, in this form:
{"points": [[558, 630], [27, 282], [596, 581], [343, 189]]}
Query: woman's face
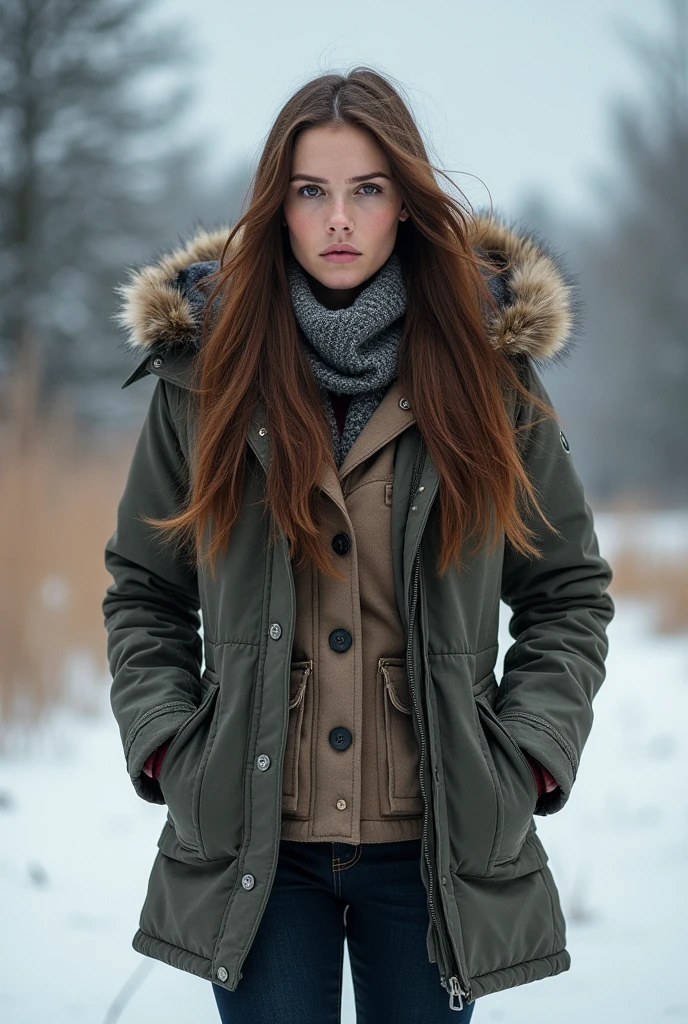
{"points": [[341, 192]]}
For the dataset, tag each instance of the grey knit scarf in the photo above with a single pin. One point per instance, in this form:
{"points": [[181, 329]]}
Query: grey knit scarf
{"points": [[352, 351]]}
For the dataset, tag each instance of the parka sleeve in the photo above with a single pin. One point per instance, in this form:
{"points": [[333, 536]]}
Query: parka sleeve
{"points": [[151, 610], [560, 612]]}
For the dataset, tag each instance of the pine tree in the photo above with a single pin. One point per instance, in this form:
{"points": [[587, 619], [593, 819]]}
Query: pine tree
{"points": [[90, 165]]}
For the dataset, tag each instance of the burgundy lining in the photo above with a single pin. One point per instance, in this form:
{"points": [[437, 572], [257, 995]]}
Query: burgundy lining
{"points": [[340, 403]]}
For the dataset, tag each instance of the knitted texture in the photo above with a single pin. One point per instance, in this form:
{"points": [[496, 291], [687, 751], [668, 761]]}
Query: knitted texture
{"points": [[352, 351]]}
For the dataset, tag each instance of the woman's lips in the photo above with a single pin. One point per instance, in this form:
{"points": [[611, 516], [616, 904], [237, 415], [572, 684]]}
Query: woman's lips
{"points": [[341, 257]]}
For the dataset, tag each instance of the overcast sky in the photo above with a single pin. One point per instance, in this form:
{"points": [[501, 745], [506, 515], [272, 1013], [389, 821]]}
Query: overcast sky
{"points": [[516, 93]]}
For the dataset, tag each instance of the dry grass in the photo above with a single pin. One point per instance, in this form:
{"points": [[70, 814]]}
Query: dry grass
{"points": [[58, 503], [649, 558], [660, 579]]}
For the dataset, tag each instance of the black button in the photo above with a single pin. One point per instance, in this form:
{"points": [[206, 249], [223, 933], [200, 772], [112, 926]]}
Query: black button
{"points": [[340, 737], [340, 640], [341, 544]]}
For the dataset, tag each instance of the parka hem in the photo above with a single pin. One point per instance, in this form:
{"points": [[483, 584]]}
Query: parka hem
{"points": [[481, 985], [173, 956], [521, 974]]}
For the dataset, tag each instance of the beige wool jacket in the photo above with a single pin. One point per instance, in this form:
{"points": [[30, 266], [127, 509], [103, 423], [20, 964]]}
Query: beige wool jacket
{"points": [[352, 758]]}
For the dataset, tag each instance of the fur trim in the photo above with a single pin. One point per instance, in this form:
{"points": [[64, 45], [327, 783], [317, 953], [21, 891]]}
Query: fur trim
{"points": [[153, 307], [539, 312]]}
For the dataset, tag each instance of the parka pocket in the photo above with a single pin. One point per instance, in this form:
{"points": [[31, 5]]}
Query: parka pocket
{"points": [[297, 754], [183, 765], [398, 765], [517, 793]]}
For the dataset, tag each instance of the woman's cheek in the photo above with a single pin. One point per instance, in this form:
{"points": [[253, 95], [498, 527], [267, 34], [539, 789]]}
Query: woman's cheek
{"points": [[383, 222], [301, 226]]}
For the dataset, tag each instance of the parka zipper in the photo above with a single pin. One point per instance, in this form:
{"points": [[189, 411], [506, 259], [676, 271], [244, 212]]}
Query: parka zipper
{"points": [[457, 989]]}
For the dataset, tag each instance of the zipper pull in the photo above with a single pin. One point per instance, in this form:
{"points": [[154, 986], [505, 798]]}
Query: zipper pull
{"points": [[454, 992]]}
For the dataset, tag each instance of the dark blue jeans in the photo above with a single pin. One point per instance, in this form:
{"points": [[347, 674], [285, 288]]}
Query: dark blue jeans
{"points": [[374, 895]]}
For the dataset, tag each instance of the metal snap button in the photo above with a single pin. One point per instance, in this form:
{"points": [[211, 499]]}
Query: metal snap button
{"points": [[222, 973], [404, 403], [564, 443], [341, 805], [263, 762], [263, 431], [275, 630], [248, 881], [157, 362]]}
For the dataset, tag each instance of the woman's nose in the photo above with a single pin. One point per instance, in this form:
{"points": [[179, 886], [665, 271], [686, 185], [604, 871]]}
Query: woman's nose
{"points": [[339, 215]]}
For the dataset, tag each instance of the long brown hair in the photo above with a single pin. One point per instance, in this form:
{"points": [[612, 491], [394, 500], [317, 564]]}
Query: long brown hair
{"points": [[454, 377]]}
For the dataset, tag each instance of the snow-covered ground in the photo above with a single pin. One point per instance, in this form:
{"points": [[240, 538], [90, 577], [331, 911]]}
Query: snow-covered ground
{"points": [[76, 846]]}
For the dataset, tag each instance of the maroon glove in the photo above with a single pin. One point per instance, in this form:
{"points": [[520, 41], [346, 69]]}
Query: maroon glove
{"points": [[153, 763], [544, 781]]}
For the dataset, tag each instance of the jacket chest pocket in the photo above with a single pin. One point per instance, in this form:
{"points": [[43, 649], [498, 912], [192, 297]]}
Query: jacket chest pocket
{"points": [[398, 753], [297, 755]]}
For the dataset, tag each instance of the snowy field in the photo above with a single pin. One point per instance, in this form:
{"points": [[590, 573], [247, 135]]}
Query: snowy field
{"points": [[76, 846]]}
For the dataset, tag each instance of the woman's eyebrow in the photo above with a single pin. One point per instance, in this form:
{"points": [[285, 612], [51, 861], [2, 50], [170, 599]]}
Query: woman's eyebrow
{"points": [[349, 181]]}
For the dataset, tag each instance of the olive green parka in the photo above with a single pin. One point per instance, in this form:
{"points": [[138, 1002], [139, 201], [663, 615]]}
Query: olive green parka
{"points": [[494, 913]]}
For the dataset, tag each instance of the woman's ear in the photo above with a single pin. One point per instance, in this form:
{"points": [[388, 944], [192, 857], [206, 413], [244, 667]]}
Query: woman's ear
{"points": [[404, 213]]}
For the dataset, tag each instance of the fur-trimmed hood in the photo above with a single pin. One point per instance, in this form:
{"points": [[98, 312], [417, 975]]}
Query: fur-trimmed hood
{"points": [[540, 312]]}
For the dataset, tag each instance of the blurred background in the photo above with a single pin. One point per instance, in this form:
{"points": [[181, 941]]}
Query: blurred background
{"points": [[127, 124]]}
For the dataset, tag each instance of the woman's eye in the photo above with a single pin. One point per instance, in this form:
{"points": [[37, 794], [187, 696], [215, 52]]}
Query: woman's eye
{"points": [[302, 191], [370, 185]]}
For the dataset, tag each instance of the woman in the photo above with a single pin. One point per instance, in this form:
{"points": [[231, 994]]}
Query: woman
{"points": [[351, 446]]}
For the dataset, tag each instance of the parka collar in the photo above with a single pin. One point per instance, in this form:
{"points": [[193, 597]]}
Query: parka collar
{"points": [[539, 311]]}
